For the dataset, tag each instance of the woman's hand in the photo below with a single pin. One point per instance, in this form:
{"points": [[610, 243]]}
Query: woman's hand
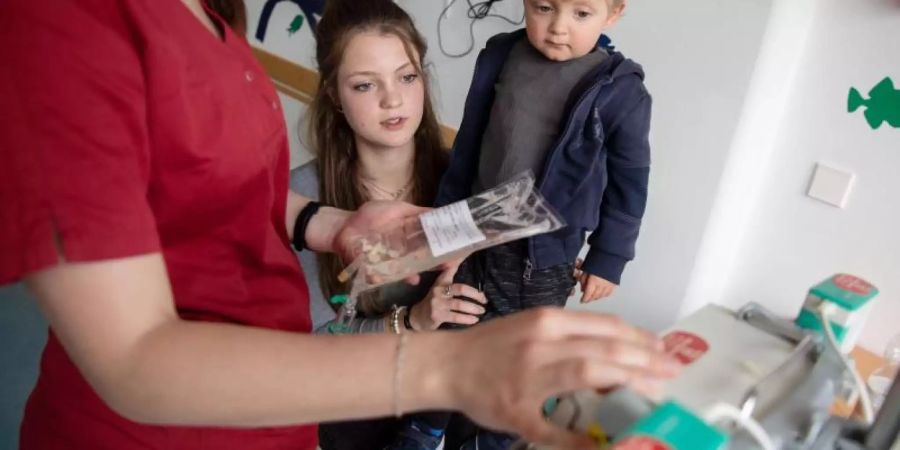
{"points": [[440, 305], [502, 372]]}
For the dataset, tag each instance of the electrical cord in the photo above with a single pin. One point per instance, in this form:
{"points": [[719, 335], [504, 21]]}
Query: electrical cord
{"points": [[824, 310], [476, 11], [723, 411]]}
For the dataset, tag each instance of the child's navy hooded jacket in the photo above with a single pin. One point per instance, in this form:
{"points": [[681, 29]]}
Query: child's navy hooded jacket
{"points": [[596, 174]]}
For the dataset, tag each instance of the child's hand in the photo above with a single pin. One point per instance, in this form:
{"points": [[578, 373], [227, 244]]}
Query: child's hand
{"points": [[594, 287]]}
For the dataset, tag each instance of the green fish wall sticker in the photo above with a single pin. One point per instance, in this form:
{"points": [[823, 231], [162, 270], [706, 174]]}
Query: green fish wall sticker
{"points": [[310, 9], [883, 104], [295, 25]]}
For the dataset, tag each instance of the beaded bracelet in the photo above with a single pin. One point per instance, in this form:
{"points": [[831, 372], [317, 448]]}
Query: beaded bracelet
{"points": [[396, 312]]}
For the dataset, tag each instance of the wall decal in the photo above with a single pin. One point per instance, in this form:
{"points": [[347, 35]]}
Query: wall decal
{"points": [[312, 9], [883, 104]]}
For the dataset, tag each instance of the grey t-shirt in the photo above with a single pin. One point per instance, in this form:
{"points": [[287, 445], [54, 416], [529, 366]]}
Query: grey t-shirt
{"points": [[528, 109], [305, 181]]}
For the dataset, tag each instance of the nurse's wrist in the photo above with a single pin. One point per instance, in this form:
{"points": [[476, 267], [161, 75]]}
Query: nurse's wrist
{"points": [[425, 373], [323, 228]]}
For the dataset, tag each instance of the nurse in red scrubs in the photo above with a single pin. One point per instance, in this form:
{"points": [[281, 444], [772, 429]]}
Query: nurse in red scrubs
{"points": [[144, 201]]}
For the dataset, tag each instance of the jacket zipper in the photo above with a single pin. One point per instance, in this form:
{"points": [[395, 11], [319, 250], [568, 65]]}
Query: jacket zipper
{"points": [[566, 130]]}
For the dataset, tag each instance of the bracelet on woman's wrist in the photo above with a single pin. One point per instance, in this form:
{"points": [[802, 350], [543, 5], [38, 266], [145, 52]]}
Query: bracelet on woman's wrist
{"points": [[398, 374], [406, 322], [302, 222], [399, 321], [395, 327]]}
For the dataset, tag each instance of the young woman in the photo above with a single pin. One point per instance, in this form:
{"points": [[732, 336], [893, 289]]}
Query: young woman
{"points": [[376, 137], [144, 200]]}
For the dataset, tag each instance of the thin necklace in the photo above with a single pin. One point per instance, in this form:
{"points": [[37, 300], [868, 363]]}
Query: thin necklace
{"points": [[373, 188]]}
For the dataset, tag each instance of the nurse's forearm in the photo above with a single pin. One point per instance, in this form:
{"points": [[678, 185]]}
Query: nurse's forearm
{"points": [[118, 324], [201, 373]]}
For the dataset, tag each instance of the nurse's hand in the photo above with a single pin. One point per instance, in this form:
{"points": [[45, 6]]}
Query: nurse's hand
{"points": [[371, 217], [333, 230], [374, 216], [501, 373]]}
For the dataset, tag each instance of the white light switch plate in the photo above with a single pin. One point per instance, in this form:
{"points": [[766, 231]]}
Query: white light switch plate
{"points": [[831, 185]]}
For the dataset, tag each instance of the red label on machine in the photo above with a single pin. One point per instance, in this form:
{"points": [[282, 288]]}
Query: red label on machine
{"points": [[685, 347], [852, 284], [641, 443]]}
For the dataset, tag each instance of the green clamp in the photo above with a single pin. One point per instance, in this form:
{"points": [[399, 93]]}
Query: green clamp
{"points": [[339, 299], [336, 328]]}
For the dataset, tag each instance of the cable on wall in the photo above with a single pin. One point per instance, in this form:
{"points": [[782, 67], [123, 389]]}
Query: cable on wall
{"points": [[476, 11]]}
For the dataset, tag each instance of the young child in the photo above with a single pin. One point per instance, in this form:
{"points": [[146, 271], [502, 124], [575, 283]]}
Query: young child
{"points": [[550, 99]]}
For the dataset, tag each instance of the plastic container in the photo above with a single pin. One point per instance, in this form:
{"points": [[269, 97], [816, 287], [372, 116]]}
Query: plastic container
{"points": [[852, 297]]}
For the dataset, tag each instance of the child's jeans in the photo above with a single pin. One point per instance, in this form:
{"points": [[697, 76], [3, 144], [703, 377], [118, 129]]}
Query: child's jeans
{"points": [[511, 284]]}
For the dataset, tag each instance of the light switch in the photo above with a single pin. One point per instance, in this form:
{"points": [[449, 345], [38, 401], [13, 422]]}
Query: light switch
{"points": [[831, 185]]}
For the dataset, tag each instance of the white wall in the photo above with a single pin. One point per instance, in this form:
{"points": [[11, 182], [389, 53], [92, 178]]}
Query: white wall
{"points": [[793, 241], [699, 57], [751, 152]]}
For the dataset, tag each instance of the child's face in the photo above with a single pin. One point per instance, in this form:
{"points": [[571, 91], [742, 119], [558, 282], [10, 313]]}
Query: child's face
{"points": [[380, 90], [567, 29]]}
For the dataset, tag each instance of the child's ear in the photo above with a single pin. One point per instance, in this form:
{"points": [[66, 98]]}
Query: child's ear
{"points": [[616, 14]]}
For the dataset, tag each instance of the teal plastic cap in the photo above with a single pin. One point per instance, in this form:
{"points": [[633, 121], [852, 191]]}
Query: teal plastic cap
{"points": [[847, 291], [672, 427]]}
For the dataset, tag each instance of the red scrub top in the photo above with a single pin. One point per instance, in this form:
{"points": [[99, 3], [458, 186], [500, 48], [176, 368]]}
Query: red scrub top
{"points": [[127, 128]]}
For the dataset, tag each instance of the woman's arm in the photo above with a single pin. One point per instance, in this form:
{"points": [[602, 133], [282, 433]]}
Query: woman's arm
{"points": [[117, 321]]}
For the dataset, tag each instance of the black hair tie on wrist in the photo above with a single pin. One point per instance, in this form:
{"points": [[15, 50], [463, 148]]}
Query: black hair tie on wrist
{"points": [[406, 321], [302, 222]]}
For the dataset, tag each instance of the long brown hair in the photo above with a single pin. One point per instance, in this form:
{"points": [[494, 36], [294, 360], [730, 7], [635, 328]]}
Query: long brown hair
{"points": [[332, 139]]}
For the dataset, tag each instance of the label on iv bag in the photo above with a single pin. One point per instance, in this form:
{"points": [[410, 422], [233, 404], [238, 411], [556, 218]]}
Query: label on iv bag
{"points": [[450, 228]]}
